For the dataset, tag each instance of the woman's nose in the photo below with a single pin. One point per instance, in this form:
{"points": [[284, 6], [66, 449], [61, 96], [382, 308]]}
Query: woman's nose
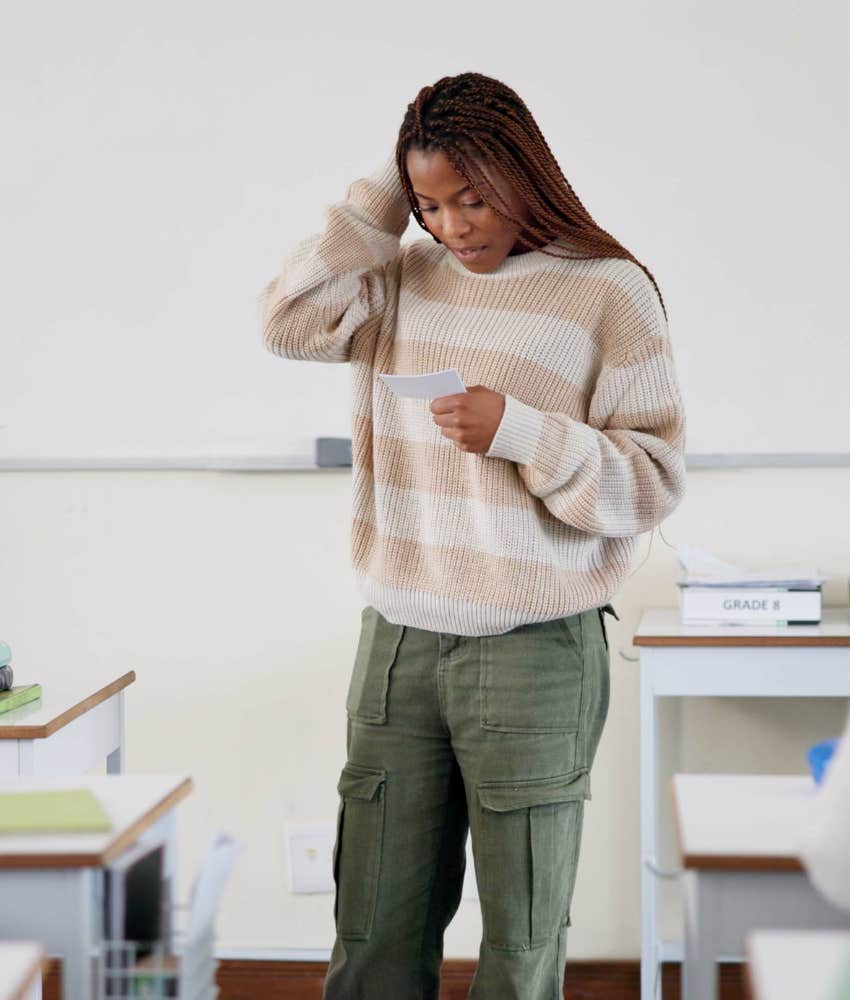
{"points": [[455, 226]]}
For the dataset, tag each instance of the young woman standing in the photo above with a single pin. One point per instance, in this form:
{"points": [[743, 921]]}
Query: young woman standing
{"points": [[490, 529]]}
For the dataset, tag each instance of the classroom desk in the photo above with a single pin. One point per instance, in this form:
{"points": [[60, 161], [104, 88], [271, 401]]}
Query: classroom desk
{"points": [[679, 661], [21, 964], [72, 728], [737, 837], [51, 884], [790, 965]]}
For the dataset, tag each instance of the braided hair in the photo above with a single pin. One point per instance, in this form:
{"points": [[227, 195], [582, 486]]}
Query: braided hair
{"points": [[474, 118]]}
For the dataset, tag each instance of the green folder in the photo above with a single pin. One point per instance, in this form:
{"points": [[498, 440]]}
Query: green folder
{"points": [[73, 810], [17, 696]]}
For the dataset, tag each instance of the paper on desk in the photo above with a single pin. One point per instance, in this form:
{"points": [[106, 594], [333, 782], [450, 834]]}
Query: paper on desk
{"points": [[701, 568], [429, 386]]}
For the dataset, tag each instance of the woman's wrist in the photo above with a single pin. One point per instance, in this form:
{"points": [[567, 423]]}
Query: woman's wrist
{"points": [[382, 198]]}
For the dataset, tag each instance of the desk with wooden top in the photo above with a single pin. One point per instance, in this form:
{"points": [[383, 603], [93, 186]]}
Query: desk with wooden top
{"points": [[51, 884], [738, 836], [788, 965], [74, 726], [676, 661], [21, 965]]}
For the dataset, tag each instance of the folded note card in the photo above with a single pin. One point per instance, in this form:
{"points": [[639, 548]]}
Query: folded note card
{"points": [[62, 810], [428, 386]]}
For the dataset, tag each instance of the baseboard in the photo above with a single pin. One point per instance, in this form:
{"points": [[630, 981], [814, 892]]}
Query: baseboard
{"points": [[246, 979], [585, 980]]}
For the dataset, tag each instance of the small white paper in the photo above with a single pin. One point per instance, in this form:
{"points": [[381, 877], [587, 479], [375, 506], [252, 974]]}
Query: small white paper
{"points": [[701, 568], [428, 386]]}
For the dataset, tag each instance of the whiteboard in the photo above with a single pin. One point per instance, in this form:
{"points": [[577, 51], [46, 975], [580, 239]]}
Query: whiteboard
{"points": [[162, 157]]}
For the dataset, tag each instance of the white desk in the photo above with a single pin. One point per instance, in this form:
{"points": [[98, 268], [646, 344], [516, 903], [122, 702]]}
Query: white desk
{"points": [[72, 728], [51, 884], [21, 963], [788, 965], [687, 661], [737, 839]]}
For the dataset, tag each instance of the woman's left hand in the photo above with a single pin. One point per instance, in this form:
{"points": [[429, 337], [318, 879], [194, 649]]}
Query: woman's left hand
{"points": [[470, 419]]}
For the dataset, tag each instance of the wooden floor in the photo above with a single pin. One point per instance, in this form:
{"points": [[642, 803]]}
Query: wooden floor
{"points": [[585, 980]]}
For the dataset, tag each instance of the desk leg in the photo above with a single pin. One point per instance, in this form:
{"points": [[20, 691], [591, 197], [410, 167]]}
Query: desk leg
{"points": [[115, 760], [649, 963], [26, 758], [699, 959], [56, 906]]}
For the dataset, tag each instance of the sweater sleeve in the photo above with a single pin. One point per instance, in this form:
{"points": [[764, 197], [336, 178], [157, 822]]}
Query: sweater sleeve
{"points": [[623, 471], [334, 284]]}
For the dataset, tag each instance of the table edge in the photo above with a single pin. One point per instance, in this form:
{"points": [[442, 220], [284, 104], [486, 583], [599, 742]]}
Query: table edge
{"points": [[728, 862], [741, 640], [35, 969], [28, 732], [742, 862], [97, 859]]}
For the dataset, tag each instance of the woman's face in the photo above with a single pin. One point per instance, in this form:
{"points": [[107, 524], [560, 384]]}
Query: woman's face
{"points": [[455, 213]]}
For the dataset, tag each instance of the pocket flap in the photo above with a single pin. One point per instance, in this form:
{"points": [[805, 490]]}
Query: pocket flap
{"points": [[503, 796], [358, 782]]}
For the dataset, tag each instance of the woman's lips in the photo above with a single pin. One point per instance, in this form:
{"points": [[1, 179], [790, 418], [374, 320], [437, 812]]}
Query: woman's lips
{"points": [[469, 254]]}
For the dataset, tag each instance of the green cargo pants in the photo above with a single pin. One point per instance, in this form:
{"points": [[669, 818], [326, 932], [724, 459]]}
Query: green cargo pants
{"points": [[494, 735]]}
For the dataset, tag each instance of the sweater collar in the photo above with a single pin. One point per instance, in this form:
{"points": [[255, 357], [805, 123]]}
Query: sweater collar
{"points": [[521, 263]]}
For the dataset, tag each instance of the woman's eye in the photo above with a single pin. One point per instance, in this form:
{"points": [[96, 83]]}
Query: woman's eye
{"points": [[469, 204]]}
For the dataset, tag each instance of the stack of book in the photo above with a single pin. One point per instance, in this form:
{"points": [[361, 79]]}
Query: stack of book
{"points": [[6, 675], [13, 697], [713, 592]]}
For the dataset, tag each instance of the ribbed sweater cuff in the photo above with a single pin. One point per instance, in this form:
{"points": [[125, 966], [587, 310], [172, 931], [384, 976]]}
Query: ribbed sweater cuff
{"points": [[518, 433], [381, 198]]}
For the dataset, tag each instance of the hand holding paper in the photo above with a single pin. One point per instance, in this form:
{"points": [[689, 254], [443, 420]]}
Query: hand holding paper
{"points": [[468, 417]]}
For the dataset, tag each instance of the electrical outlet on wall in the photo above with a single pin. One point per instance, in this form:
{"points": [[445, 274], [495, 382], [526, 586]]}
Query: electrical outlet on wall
{"points": [[309, 854]]}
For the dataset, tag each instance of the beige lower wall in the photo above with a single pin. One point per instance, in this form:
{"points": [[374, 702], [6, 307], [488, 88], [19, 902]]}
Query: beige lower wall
{"points": [[231, 597]]}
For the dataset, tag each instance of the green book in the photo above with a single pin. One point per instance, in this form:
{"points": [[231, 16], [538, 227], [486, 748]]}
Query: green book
{"points": [[17, 696], [66, 810]]}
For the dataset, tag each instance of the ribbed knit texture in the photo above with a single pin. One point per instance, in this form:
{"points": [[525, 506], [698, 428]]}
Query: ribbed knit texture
{"points": [[590, 449]]}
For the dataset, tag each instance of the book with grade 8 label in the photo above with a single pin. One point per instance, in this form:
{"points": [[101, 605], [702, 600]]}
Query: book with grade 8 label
{"points": [[749, 605]]}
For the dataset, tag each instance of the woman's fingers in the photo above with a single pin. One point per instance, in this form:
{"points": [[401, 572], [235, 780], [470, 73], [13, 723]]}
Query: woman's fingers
{"points": [[446, 404], [450, 419]]}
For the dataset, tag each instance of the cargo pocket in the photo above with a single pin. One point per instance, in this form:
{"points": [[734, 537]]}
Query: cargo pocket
{"points": [[532, 678], [370, 678], [528, 854], [357, 851]]}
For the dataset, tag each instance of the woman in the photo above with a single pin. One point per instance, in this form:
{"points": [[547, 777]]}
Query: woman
{"points": [[490, 529]]}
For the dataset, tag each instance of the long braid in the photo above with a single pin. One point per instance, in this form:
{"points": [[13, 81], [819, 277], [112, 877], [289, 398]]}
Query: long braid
{"points": [[472, 117]]}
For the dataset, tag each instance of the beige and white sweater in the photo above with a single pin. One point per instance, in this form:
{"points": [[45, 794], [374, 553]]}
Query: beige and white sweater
{"points": [[590, 449]]}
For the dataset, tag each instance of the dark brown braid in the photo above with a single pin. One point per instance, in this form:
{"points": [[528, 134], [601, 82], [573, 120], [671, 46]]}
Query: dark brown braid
{"points": [[472, 117]]}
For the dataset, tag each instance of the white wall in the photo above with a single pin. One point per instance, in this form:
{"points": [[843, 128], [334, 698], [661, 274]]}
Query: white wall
{"points": [[231, 597], [160, 158]]}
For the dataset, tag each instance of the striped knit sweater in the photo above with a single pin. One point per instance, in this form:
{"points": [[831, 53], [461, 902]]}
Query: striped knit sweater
{"points": [[589, 451]]}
